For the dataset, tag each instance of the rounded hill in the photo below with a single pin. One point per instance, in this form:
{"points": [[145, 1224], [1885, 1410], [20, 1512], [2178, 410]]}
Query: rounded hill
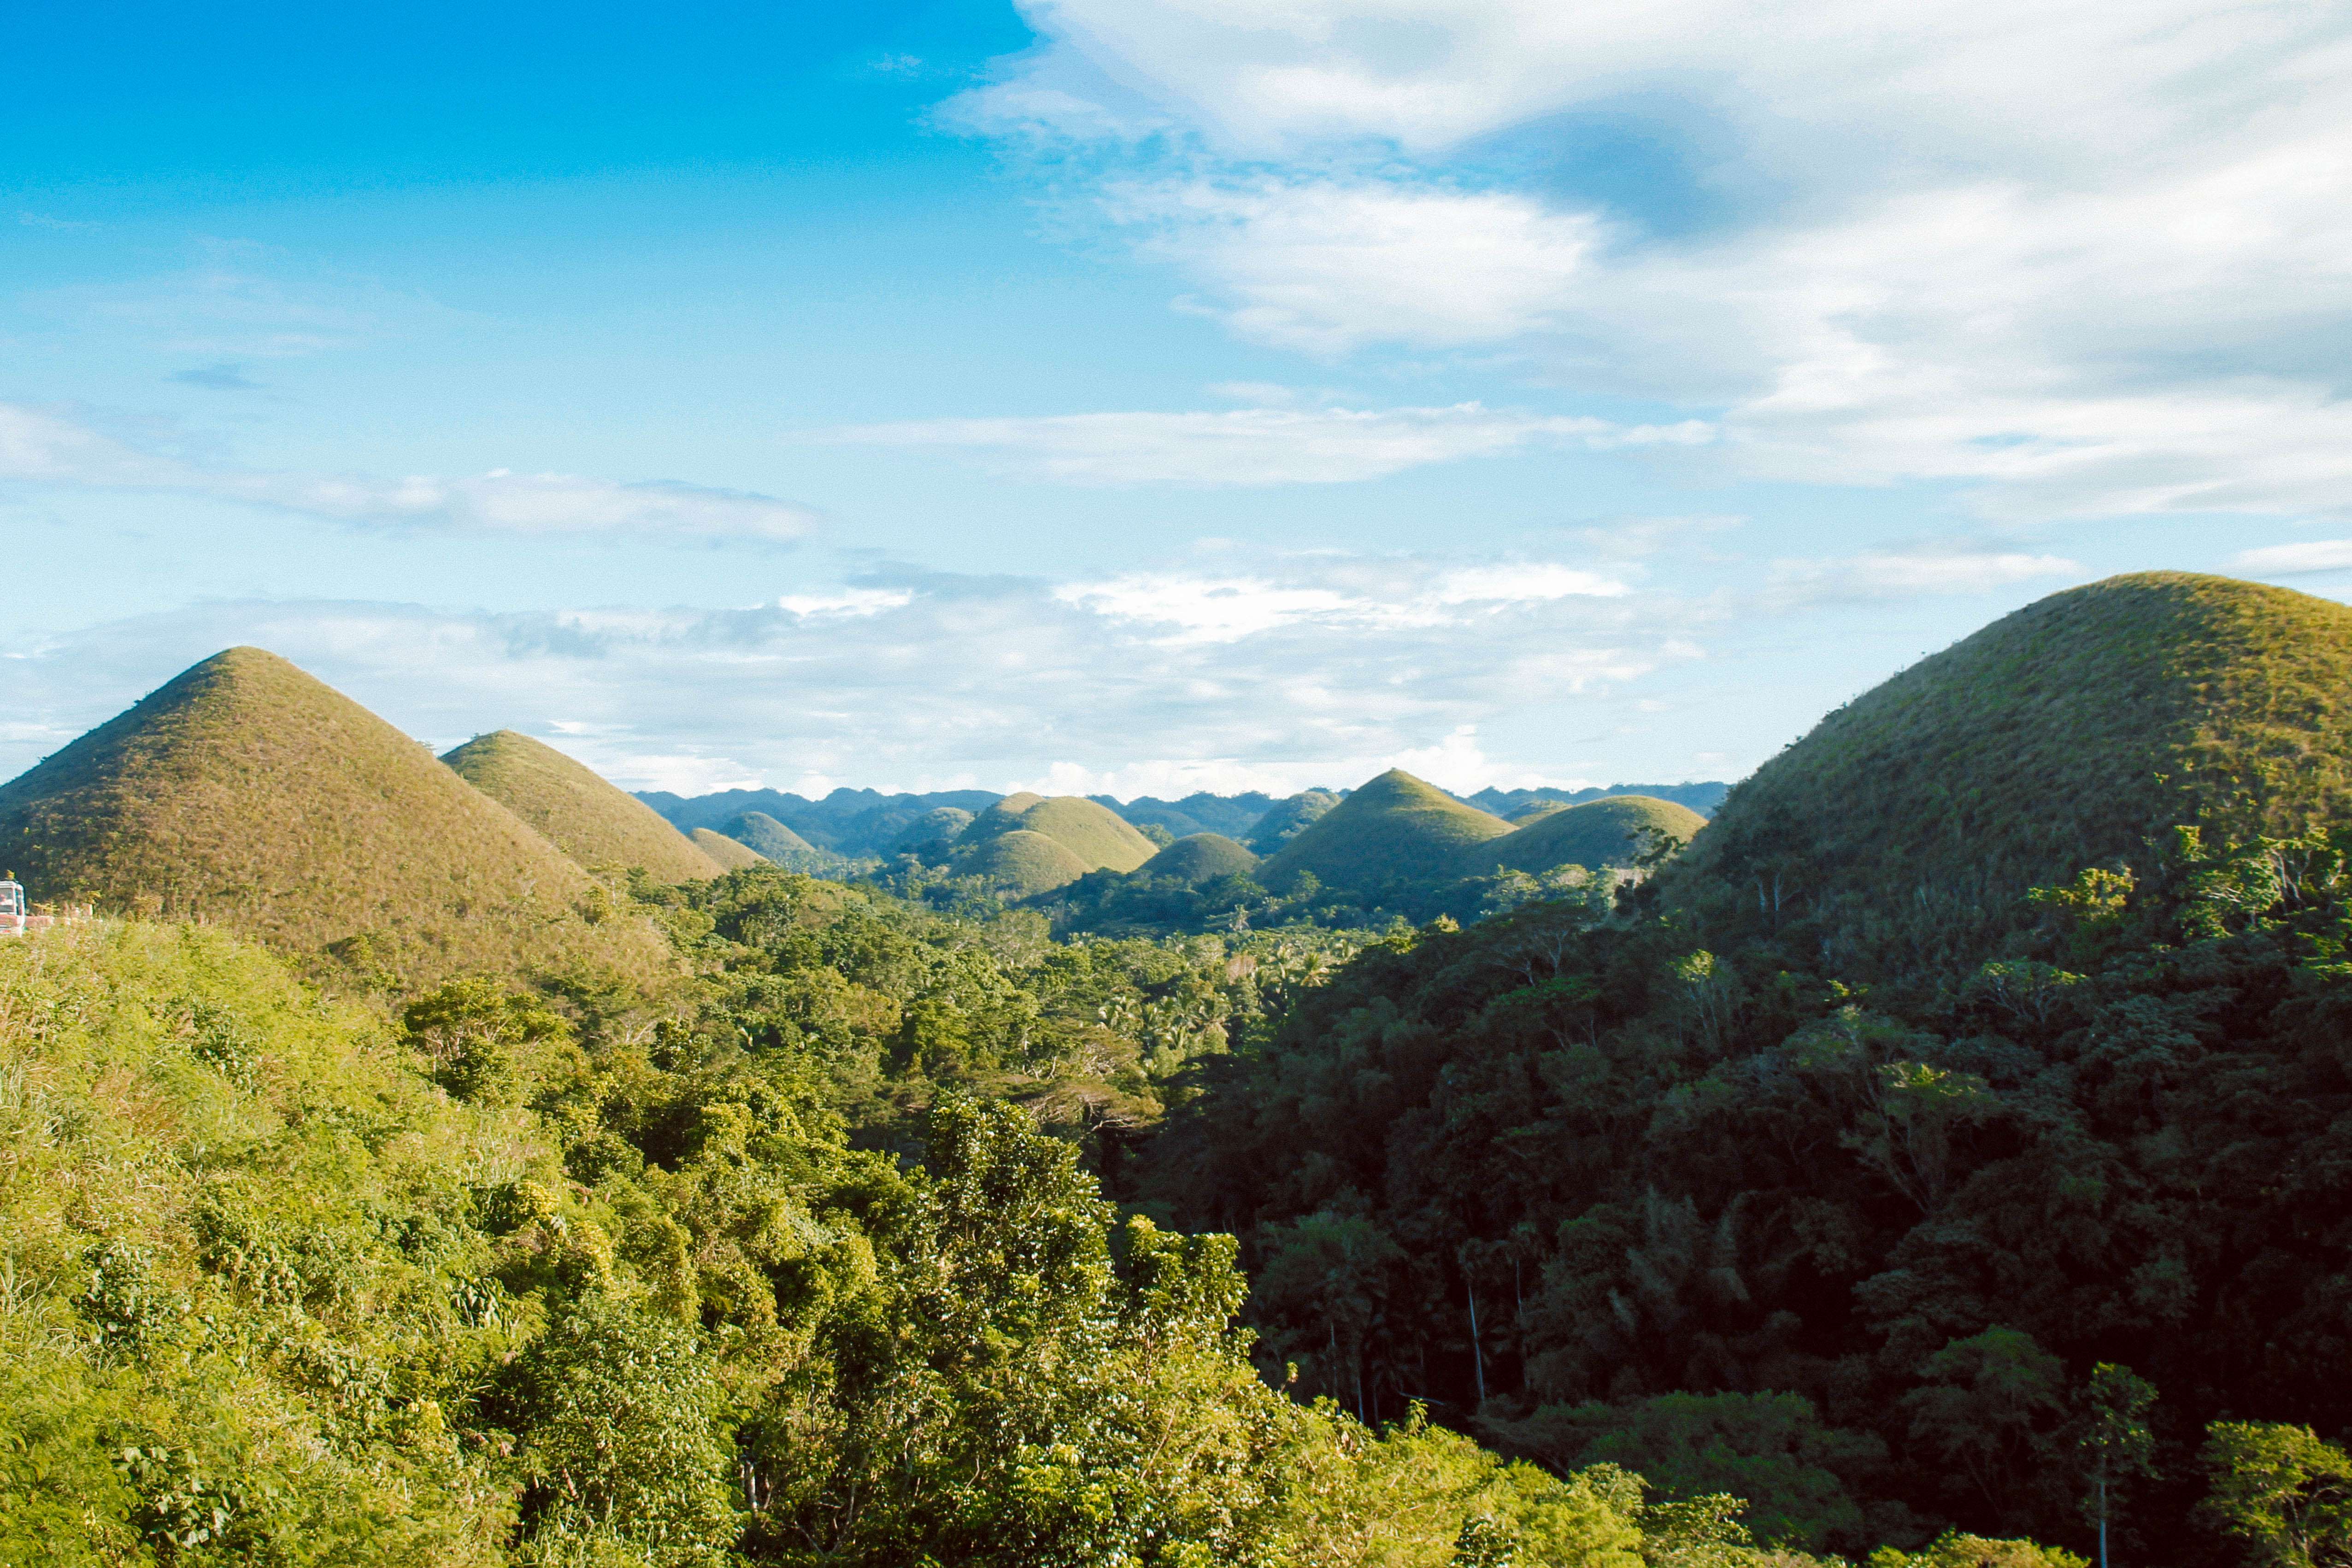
{"points": [[245, 792], [1100, 836], [939, 825], [729, 854], [1199, 858], [763, 835], [1285, 820], [1905, 827], [1396, 828], [1610, 831], [602, 827], [1024, 863]]}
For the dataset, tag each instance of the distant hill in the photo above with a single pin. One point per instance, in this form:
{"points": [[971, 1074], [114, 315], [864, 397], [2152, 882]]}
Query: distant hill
{"points": [[853, 822], [1023, 864], [598, 824], [1098, 837], [732, 854], [933, 830], [1199, 858], [1905, 827], [1232, 815], [1396, 828], [245, 792], [1285, 820], [1604, 833], [1510, 804], [758, 832]]}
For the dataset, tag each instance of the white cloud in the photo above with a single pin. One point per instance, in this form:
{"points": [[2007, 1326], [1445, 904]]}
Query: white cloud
{"points": [[1913, 573], [2087, 258], [1366, 597], [1262, 445], [43, 447], [1310, 672], [2288, 560], [848, 602]]}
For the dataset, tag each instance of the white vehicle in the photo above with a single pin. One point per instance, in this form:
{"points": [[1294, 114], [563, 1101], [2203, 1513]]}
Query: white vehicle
{"points": [[12, 906]]}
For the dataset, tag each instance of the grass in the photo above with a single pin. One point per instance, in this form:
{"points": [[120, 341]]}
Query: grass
{"points": [[1024, 863], [1395, 828], [1201, 857], [602, 827], [939, 825], [1604, 833], [731, 854], [762, 834], [1099, 838], [1905, 827], [1285, 820], [247, 794]]}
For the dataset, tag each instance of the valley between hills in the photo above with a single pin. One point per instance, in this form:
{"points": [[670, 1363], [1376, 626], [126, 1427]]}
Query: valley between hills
{"points": [[1933, 1150]]}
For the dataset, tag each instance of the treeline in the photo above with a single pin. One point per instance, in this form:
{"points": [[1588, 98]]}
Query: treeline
{"points": [[1881, 1262]]}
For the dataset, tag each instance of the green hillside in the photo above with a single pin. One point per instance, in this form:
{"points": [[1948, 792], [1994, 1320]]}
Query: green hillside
{"points": [[1099, 838], [1395, 828], [1024, 863], [731, 854], [762, 834], [1608, 831], [939, 826], [1094, 833], [602, 827], [1906, 827], [1001, 818], [1535, 812], [1285, 820], [246, 793], [1202, 857]]}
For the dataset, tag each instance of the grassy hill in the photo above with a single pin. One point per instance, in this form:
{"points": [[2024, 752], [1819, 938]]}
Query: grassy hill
{"points": [[732, 854], [1024, 863], [598, 825], [762, 834], [1535, 812], [1604, 833], [1904, 829], [1201, 857], [939, 826], [1285, 820], [1395, 828], [1097, 836], [246, 793]]}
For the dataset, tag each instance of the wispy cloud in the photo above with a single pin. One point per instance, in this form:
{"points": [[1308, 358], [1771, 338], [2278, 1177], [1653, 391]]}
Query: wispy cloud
{"points": [[1919, 571], [2295, 559], [1262, 445], [222, 377], [44, 447], [2084, 260], [1311, 670]]}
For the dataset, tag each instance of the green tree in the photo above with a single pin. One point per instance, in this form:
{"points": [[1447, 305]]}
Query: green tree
{"points": [[2113, 1439], [2284, 1490]]}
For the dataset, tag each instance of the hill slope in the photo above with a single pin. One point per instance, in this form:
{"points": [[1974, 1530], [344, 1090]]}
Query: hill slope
{"points": [[245, 792], [1024, 863], [1905, 827], [1395, 828], [731, 854], [762, 834], [1097, 836], [1285, 820], [602, 827], [1201, 857], [1603, 832]]}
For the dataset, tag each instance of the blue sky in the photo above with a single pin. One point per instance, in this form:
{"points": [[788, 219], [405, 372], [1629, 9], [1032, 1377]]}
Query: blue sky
{"points": [[1135, 395]]}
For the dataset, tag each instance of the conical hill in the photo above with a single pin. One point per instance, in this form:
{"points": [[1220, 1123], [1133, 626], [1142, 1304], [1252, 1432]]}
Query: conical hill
{"points": [[1395, 828], [1610, 831], [602, 827], [1024, 863], [762, 834], [1201, 857], [246, 793], [1904, 831], [1097, 836], [1285, 820], [731, 854]]}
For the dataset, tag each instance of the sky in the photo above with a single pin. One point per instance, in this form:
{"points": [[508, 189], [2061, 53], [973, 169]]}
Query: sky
{"points": [[1137, 396]]}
